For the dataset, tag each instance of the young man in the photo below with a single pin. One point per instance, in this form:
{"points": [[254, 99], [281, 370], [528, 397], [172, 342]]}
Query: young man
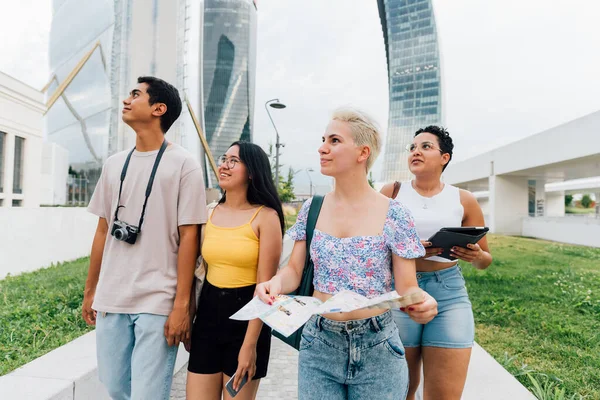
{"points": [[138, 287]]}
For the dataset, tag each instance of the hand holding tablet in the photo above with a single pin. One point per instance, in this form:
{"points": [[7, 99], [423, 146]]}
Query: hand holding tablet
{"points": [[446, 238]]}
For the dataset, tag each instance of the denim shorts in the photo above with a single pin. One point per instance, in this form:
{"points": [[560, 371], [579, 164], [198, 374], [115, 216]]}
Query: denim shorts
{"points": [[357, 359], [453, 327]]}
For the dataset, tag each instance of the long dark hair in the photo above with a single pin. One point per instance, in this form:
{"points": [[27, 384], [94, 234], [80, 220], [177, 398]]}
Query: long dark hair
{"points": [[261, 188]]}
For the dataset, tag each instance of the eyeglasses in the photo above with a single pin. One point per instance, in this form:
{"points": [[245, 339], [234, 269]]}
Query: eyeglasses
{"points": [[425, 146], [229, 162]]}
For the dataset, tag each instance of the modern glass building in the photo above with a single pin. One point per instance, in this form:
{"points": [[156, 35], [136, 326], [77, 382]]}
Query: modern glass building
{"points": [[205, 48], [415, 91], [229, 71], [78, 121]]}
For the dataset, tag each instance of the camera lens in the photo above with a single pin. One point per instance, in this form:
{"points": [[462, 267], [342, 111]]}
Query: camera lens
{"points": [[121, 234]]}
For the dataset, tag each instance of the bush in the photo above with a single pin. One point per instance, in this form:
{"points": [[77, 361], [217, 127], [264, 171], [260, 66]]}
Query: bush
{"points": [[586, 201], [568, 200]]}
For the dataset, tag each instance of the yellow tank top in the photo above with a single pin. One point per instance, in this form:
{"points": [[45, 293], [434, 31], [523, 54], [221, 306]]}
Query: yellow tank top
{"points": [[231, 254]]}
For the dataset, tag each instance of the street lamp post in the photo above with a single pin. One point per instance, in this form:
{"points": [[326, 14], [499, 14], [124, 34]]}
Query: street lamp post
{"points": [[309, 179], [277, 105]]}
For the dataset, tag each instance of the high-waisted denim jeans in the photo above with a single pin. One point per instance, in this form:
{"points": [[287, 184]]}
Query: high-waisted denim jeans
{"points": [[358, 359]]}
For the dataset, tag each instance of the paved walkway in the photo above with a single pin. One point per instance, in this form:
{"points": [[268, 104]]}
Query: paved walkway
{"points": [[486, 378], [281, 381]]}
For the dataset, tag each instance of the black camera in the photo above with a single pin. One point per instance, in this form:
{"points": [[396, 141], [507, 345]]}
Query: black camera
{"points": [[124, 232]]}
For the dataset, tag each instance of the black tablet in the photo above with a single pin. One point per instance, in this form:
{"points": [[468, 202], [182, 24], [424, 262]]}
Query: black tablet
{"points": [[446, 238]]}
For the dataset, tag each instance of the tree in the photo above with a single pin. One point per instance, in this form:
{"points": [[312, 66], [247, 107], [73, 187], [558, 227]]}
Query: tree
{"points": [[568, 200], [586, 201], [286, 188], [371, 180]]}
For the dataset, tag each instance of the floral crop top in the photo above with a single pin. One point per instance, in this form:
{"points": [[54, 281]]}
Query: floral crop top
{"points": [[362, 264]]}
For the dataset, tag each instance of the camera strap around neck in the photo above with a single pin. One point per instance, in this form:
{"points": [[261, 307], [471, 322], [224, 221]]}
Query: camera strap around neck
{"points": [[163, 147]]}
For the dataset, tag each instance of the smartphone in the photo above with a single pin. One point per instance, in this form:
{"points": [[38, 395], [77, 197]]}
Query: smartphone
{"points": [[229, 385]]}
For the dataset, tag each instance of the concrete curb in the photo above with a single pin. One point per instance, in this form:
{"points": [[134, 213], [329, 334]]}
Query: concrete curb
{"points": [[487, 379], [69, 372]]}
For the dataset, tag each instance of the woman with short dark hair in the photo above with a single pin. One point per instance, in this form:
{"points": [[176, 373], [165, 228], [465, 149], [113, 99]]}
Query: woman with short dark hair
{"points": [[444, 344]]}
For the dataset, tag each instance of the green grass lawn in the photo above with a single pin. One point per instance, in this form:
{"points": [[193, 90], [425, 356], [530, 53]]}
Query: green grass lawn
{"points": [[40, 311], [577, 210], [537, 308]]}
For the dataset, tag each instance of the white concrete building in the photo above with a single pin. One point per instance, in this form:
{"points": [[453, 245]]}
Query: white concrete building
{"points": [[518, 183], [21, 133]]}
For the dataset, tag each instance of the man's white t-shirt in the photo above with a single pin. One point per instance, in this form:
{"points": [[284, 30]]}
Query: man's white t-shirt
{"points": [[142, 278]]}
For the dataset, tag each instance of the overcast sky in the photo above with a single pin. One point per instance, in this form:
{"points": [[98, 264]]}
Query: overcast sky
{"points": [[511, 68]]}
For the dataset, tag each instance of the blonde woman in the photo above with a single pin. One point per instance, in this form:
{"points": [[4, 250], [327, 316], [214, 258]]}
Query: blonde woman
{"points": [[362, 242]]}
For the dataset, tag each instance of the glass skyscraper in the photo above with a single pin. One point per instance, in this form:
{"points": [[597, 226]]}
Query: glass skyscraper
{"points": [[78, 121], [415, 91], [229, 72], [205, 48]]}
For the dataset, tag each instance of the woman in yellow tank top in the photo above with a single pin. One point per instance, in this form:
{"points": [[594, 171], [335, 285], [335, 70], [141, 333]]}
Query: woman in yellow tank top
{"points": [[241, 246]]}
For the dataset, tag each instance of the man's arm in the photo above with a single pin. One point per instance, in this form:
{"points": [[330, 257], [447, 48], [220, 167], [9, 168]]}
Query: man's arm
{"points": [[89, 315], [177, 327]]}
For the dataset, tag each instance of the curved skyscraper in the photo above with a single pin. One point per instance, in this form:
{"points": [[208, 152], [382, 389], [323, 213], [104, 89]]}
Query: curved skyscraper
{"points": [[415, 91], [229, 71], [206, 48]]}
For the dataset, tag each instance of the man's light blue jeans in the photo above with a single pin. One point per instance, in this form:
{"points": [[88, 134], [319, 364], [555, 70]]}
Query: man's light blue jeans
{"points": [[134, 360]]}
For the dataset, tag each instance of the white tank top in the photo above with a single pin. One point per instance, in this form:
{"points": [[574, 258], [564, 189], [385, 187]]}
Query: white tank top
{"points": [[432, 213]]}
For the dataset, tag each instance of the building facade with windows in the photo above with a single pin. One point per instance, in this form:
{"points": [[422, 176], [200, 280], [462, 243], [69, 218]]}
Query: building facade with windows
{"points": [[21, 143], [163, 38], [414, 76]]}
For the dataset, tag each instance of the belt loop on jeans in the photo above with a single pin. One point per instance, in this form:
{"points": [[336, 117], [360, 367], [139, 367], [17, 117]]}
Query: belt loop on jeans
{"points": [[375, 324], [318, 323], [438, 276]]}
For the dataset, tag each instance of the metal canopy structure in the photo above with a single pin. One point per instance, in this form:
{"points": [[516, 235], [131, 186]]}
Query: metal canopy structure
{"points": [[60, 92]]}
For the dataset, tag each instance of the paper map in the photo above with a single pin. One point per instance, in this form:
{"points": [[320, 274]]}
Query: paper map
{"points": [[288, 313]]}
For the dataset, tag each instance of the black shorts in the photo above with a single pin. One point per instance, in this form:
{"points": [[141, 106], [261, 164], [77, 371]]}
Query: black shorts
{"points": [[217, 340]]}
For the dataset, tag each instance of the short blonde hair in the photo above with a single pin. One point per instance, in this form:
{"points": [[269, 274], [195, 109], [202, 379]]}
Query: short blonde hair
{"points": [[365, 131]]}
